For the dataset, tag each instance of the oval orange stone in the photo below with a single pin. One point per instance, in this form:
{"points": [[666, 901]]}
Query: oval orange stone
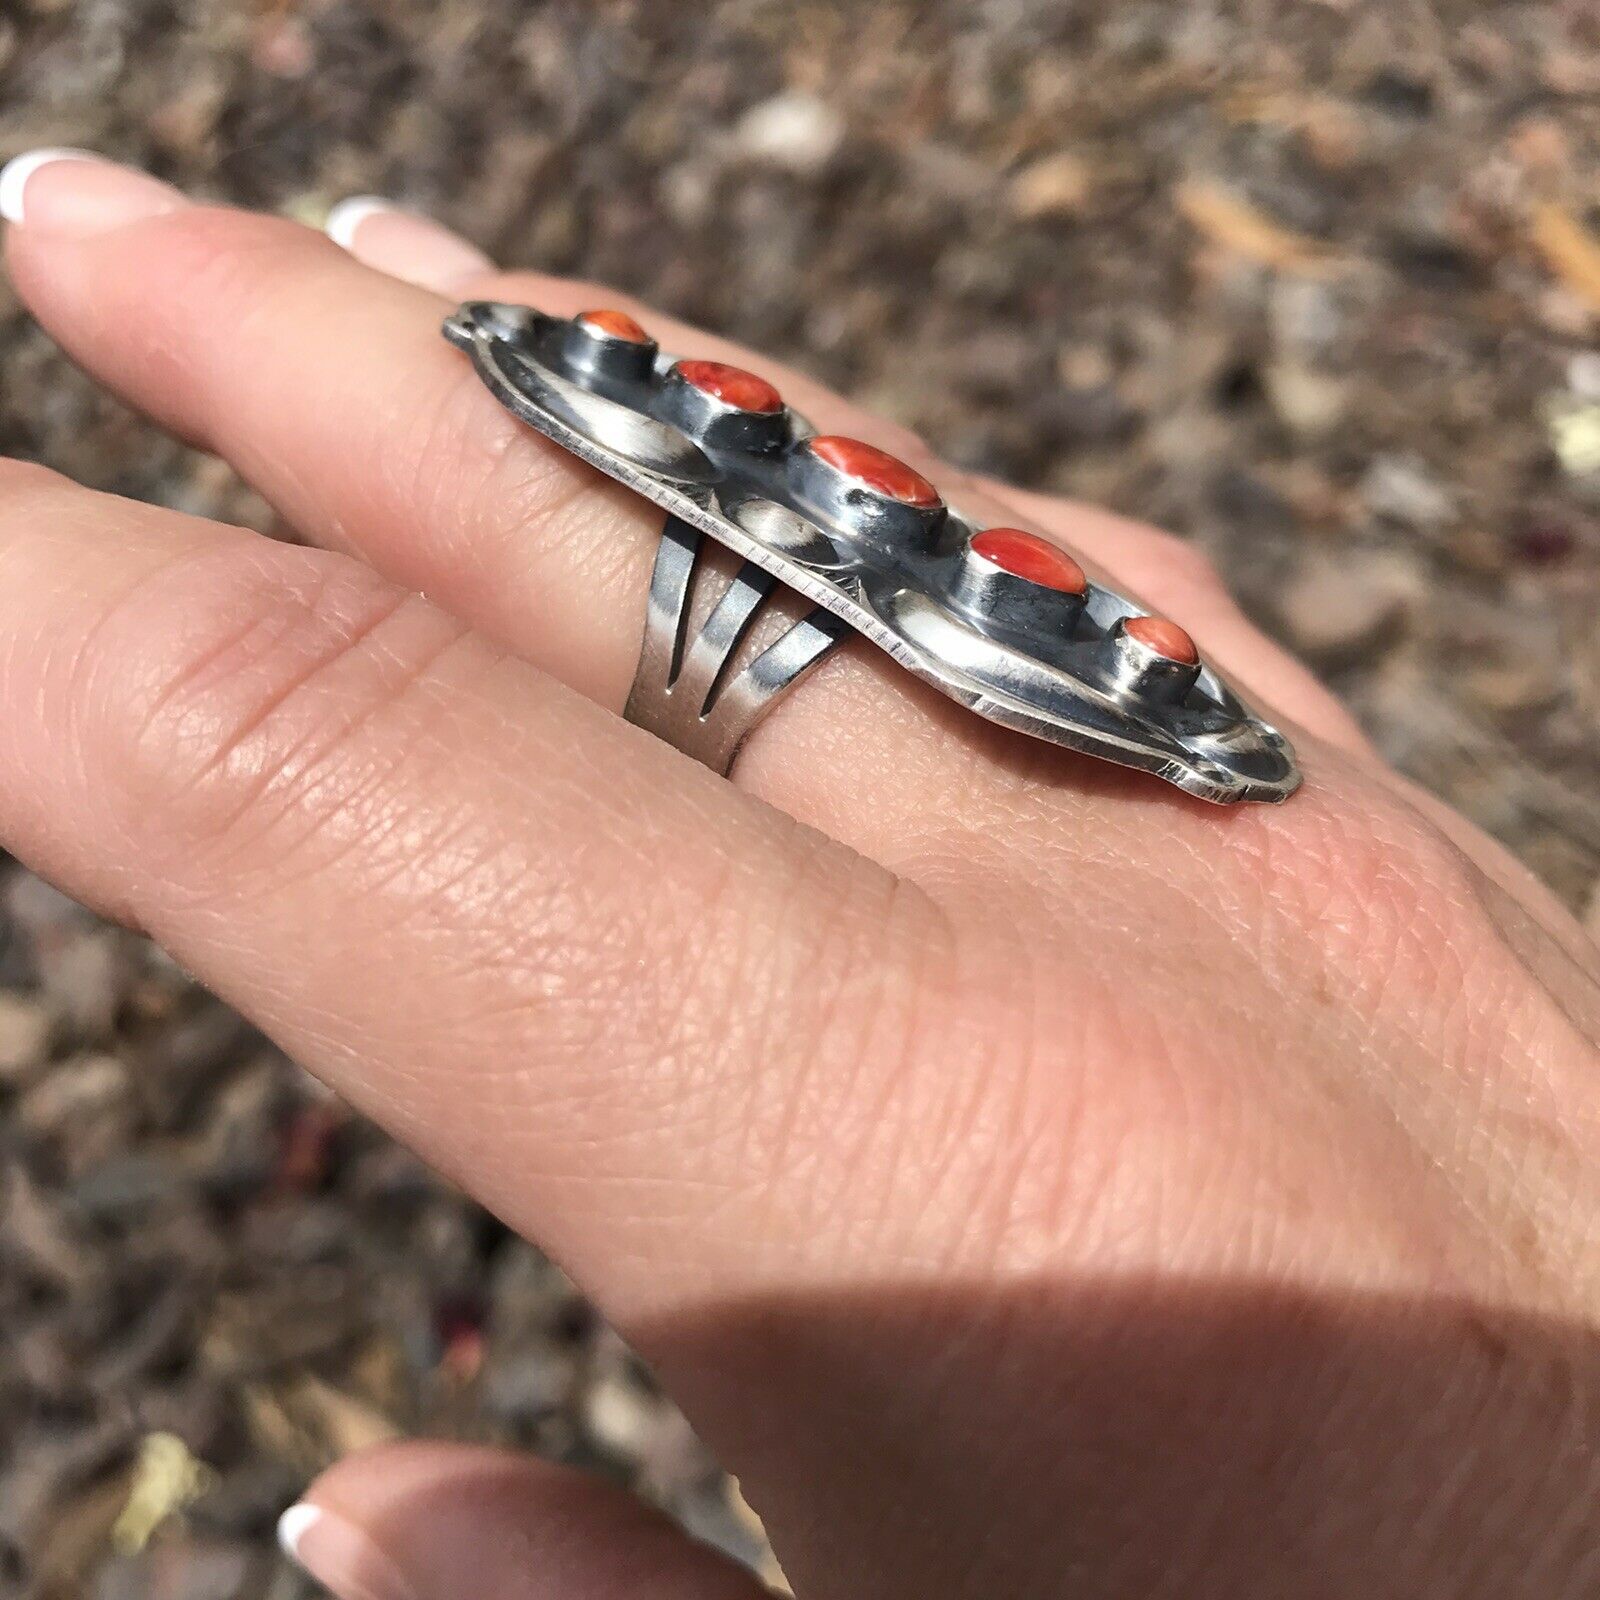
{"points": [[733, 385], [1164, 638], [617, 323], [1026, 555], [876, 469]]}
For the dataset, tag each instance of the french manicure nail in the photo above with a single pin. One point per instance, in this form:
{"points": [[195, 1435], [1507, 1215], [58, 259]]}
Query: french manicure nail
{"points": [[405, 245], [341, 1556], [346, 218], [293, 1526], [79, 194], [14, 176]]}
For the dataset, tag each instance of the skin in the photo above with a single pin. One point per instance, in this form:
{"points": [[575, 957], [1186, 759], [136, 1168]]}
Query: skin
{"points": [[1030, 1180]]}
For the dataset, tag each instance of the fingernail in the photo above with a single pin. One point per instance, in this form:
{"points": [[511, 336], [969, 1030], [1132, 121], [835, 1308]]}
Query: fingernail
{"points": [[79, 194], [341, 1556], [405, 245]]}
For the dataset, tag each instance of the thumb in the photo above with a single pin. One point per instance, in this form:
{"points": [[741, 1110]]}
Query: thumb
{"points": [[431, 1521]]}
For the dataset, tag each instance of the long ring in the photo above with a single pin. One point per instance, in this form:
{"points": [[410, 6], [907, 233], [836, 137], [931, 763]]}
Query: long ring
{"points": [[1002, 620]]}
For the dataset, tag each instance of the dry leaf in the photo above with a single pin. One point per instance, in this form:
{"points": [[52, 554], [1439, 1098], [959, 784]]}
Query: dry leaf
{"points": [[308, 1423], [1331, 130], [1569, 250], [166, 1478], [346, 1423], [1057, 185], [1233, 224]]}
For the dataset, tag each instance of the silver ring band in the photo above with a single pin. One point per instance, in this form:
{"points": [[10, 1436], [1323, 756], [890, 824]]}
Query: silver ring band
{"points": [[689, 688]]}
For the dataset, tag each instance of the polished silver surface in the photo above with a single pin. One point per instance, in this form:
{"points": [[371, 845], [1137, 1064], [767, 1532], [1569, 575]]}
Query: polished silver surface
{"points": [[1054, 665]]}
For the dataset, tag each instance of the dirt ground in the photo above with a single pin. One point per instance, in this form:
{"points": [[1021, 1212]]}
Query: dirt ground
{"points": [[1313, 282]]}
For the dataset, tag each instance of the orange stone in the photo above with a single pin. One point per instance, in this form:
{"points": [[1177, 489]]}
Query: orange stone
{"points": [[876, 469], [1026, 555], [1164, 638], [732, 385], [617, 323]]}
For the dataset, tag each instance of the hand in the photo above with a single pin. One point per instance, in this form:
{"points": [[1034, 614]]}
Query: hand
{"points": [[1030, 1181]]}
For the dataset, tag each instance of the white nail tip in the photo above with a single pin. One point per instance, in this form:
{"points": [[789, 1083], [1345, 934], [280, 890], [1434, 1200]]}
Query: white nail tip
{"points": [[14, 177], [294, 1525], [348, 216]]}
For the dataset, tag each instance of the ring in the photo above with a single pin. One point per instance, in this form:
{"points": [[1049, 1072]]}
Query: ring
{"points": [[1002, 620]]}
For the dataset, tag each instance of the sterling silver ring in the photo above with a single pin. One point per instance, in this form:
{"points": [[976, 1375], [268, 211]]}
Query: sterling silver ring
{"points": [[997, 617]]}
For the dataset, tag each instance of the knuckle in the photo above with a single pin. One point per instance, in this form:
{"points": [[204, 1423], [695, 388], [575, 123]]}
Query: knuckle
{"points": [[1384, 892], [284, 653], [231, 265], [233, 272], [487, 482], [466, 452], [225, 256]]}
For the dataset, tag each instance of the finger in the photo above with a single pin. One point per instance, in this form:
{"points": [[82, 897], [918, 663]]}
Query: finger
{"points": [[329, 386], [521, 934], [435, 1521]]}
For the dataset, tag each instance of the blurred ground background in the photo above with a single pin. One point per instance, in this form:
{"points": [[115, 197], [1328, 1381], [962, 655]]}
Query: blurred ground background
{"points": [[1313, 282]]}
